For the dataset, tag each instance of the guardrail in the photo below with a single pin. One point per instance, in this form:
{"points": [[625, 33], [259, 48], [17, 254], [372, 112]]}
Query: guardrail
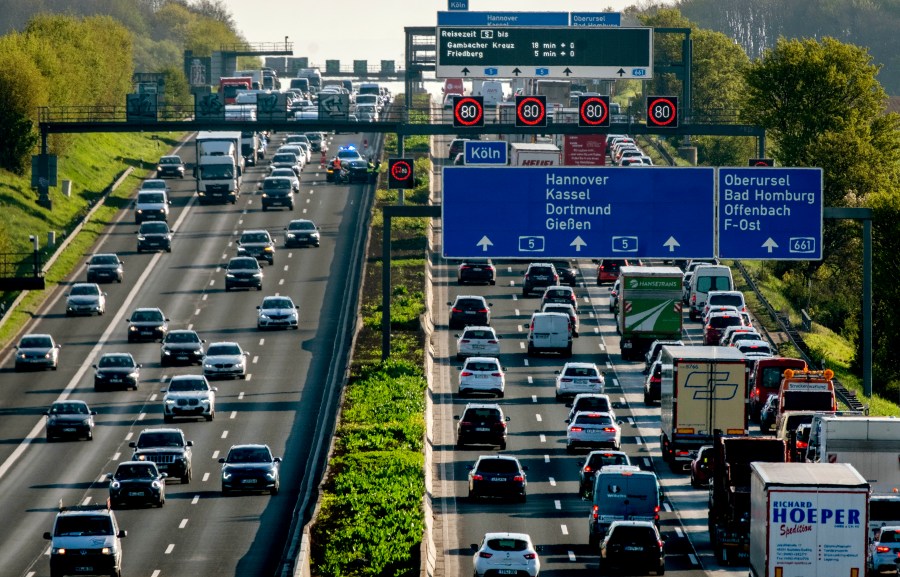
{"points": [[844, 394]]}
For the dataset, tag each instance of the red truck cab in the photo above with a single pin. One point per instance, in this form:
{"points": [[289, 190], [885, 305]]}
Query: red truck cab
{"points": [[765, 380]]}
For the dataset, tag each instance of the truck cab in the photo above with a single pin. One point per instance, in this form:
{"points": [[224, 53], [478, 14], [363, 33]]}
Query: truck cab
{"points": [[765, 380], [806, 390]]}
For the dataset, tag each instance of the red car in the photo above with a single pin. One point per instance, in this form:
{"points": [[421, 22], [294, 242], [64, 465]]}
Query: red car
{"points": [[702, 466], [608, 269], [716, 324]]}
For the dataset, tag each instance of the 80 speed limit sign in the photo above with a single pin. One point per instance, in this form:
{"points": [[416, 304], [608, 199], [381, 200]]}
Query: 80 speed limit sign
{"points": [[531, 110], [468, 111], [662, 111], [593, 111]]}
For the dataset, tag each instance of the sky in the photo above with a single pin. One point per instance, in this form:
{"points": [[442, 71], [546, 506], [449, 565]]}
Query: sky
{"points": [[372, 29]]}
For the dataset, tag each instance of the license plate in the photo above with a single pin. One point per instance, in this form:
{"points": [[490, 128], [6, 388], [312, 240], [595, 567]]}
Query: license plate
{"points": [[476, 270], [482, 376], [84, 568], [115, 380], [135, 494], [146, 332], [632, 548], [181, 357], [69, 430], [541, 335], [581, 381], [470, 312], [482, 429], [477, 347], [248, 481], [507, 571], [498, 479]]}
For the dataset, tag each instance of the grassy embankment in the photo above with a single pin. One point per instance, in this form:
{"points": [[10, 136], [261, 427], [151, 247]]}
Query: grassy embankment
{"points": [[92, 164]]}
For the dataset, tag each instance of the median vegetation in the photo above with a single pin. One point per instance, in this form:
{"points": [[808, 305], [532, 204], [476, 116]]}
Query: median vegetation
{"points": [[371, 520]]}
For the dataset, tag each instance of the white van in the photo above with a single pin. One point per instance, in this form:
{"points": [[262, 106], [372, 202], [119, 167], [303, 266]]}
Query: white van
{"points": [[491, 91], [549, 333], [622, 493], [705, 279]]}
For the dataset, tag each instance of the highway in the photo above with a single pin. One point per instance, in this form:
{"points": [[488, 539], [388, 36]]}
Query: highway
{"points": [[288, 400], [554, 516]]}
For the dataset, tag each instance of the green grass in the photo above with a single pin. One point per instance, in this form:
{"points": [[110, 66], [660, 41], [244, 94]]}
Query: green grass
{"points": [[93, 164]]}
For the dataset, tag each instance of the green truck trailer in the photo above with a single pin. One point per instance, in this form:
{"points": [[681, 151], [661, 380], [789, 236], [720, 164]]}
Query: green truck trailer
{"points": [[649, 307]]}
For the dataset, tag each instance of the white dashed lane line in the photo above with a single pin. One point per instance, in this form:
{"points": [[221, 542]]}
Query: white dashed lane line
{"points": [[522, 346], [534, 398], [262, 342], [128, 436], [255, 359], [194, 501], [116, 456], [530, 380], [538, 417], [205, 478], [241, 395], [558, 504], [196, 312], [232, 415], [215, 455], [564, 529], [546, 458], [572, 556], [552, 482], [142, 416], [170, 548], [183, 524], [225, 434], [543, 438], [204, 297]]}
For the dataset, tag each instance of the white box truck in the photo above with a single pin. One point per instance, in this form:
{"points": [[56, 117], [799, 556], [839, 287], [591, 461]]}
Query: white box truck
{"points": [[220, 166], [807, 519], [534, 154], [872, 446], [703, 391]]}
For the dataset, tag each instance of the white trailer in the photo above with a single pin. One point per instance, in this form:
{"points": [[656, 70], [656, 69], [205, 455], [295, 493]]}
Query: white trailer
{"points": [[534, 154]]}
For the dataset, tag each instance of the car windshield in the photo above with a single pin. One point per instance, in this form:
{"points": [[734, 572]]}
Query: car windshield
{"points": [[558, 294], [146, 316], [243, 264], [253, 237], [713, 283], [593, 420], [726, 300], [170, 160], [74, 525], [182, 337], [85, 289], [277, 303], [136, 472], [482, 415], [69, 409], [628, 534], [277, 184], [159, 439], [115, 361], [154, 228], [301, 225], [104, 259], [598, 460], [478, 334], [581, 372], [249, 455], [153, 185], [151, 198], [541, 270], [718, 322], [497, 466], [223, 349], [470, 304], [889, 536], [507, 544], [592, 404], [282, 158], [182, 385], [216, 171], [285, 172], [35, 343]]}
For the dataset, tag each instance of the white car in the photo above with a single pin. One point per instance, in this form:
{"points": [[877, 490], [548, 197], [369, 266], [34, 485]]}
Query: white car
{"points": [[567, 309], [755, 348], [287, 173], [278, 312], [590, 429], [189, 396], [592, 402], [225, 360], [85, 298], [296, 149], [575, 378], [482, 375], [506, 554], [477, 341]]}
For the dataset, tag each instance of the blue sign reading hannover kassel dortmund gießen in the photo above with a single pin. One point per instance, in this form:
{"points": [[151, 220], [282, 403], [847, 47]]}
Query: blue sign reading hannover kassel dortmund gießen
{"points": [[770, 213], [556, 211]]}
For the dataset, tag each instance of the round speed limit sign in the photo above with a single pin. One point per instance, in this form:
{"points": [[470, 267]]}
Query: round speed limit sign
{"points": [[662, 111], [468, 111]]}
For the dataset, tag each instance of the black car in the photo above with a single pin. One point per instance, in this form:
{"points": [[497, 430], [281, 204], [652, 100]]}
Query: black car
{"points": [[567, 273], [170, 165], [355, 171], [70, 419], [168, 449], [635, 545], [137, 483], [498, 476], [277, 191], [181, 347], [481, 424], [476, 271], [469, 310], [594, 462], [258, 244], [539, 276], [243, 271], [301, 232], [653, 384], [105, 268], [768, 414], [154, 235], [116, 370], [147, 324], [250, 468]]}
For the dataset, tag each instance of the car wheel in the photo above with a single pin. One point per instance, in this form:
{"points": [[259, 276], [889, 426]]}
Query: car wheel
{"points": [[503, 445], [211, 416], [265, 208], [259, 287], [570, 449], [160, 503], [54, 367], [646, 399], [460, 357], [493, 282], [499, 394], [90, 436], [523, 498], [168, 249], [167, 418], [273, 490], [139, 250], [186, 478], [49, 439]]}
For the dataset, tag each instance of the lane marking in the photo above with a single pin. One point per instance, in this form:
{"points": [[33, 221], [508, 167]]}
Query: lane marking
{"points": [[608, 365], [518, 313], [190, 326], [622, 399], [515, 298], [215, 455], [155, 573], [170, 548], [255, 359], [101, 478], [224, 434], [591, 313], [678, 531], [116, 456], [195, 500], [565, 530], [571, 555], [552, 482], [615, 382], [262, 342], [128, 436], [280, 282], [558, 504], [86, 501], [141, 416], [183, 523], [533, 398], [233, 415], [205, 477], [630, 421], [522, 346], [693, 559], [212, 282], [647, 463], [526, 362], [638, 440], [667, 507], [602, 347], [511, 283], [153, 397], [530, 380], [205, 295], [543, 438], [597, 332], [241, 395], [538, 417], [546, 458], [196, 312], [285, 268]]}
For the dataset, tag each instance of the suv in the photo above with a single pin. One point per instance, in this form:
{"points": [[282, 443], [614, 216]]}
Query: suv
{"points": [[105, 267], [277, 191], [181, 347], [258, 244], [189, 396], [243, 271], [154, 235], [884, 549], [636, 545], [469, 310], [168, 449], [476, 270], [539, 276], [151, 205], [481, 423], [92, 532]]}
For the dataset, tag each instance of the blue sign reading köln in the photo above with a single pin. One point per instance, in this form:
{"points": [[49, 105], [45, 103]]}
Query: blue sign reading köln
{"points": [[559, 211], [485, 152], [770, 213]]}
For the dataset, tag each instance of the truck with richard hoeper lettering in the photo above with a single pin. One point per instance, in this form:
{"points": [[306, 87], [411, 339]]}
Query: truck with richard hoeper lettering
{"points": [[807, 519], [703, 392]]}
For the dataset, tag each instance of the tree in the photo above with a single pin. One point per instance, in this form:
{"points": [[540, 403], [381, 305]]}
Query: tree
{"points": [[22, 91]]}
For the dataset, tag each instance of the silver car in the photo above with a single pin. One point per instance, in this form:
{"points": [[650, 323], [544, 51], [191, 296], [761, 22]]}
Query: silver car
{"points": [[189, 396], [38, 351], [278, 312], [477, 341], [590, 429], [287, 173], [85, 298], [225, 360]]}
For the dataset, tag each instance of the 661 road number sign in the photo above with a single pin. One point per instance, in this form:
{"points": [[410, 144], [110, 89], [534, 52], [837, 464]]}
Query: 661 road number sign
{"points": [[662, 111], [468, 111]]}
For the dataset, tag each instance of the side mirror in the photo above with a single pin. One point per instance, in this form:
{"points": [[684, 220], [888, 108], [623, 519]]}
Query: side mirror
{"points": [[47, 535], [93, 366], [221, 459], [189, 444], [122, 534], [507, 418], [277, 459], [473, 545], [109, 476], [132, 444], [524, 467], [455, 417], [163, 475], [93, 412]]}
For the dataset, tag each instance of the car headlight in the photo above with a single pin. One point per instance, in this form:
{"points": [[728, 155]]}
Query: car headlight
{"points": [[141, 458], [155, 484], [86, 422], [141, 237], [265, 195], [115, 485], [290, 235], [314, 235], [48, 355], [229, 275], [21, 355], [204, 401], [257, 275], [59, 551], [207, 365], [133, 375], [263, 317], [159, 167], [169, 401], [167, 352], [226, 475], [132, 328], [106, 551], [140, 211]]}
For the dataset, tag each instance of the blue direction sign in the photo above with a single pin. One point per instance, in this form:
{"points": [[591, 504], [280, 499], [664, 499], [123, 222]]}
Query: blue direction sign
{"points": [[485, 152], [595, 19], [770, 213], [460, 18], [559, 211], [457, 4]]}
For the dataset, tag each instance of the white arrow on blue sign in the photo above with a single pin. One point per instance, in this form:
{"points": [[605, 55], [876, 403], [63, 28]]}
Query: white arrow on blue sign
{"points": [[485, 152], [558, 211], [770, 213]]}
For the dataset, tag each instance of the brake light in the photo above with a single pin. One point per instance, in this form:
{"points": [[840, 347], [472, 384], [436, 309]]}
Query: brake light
{"points": [[465, 423], [496, 374], [556, 277], [693, 299], [477, 478], [530, 556], [518, 478], [609, 429], [489, 342], [466, 374], [882, 549], [464, 341], [485, 554], [594, 512], [594, 380], [482, 310], [577, 429], [565, 380], [587, 468], [709, 327], [802, 444], [456, 310]]}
